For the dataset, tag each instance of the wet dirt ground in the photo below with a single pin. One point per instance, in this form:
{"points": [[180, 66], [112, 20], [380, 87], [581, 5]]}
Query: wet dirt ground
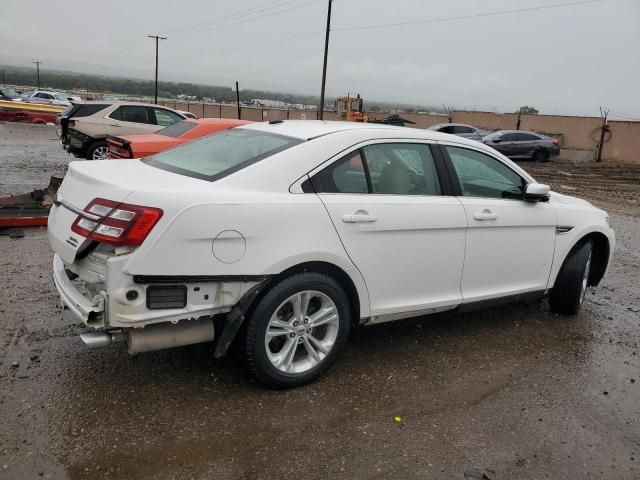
{"points": [[514, 389]]}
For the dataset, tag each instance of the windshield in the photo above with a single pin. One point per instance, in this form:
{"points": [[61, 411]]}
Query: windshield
{"points": [[221, 154], [177, 129], [62, 96], [494, 135]]}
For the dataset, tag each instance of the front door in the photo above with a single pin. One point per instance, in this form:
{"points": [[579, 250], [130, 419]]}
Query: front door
{"points": [[510, 242], [404, 235]]}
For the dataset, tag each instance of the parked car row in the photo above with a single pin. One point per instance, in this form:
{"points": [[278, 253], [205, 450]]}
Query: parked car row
{"points": [[83, 127], [515, 144], [49, 97]]}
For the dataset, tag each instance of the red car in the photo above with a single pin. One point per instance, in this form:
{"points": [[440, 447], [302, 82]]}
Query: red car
{"points": [[138, 146]]}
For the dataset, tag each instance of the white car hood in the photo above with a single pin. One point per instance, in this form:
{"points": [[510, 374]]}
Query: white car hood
{"points": [[556, 197]]}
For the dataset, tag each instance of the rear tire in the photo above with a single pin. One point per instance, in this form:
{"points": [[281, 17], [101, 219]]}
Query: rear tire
{"points": [[297, 330], [97, 151], [540, 156], [570, 288]]}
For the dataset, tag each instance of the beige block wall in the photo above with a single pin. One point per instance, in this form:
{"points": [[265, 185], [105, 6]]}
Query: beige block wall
{"points": [[575, 132]]}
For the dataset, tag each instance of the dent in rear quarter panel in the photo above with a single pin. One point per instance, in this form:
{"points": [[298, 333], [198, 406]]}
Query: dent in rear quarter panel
{"points": [[281, 230]]}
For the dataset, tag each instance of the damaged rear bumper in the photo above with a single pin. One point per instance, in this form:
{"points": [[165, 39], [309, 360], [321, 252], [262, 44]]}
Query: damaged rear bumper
{"points": [[87, 310]]}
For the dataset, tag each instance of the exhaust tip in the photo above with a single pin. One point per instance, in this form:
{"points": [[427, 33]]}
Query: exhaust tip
{"points": [[101, 339]]}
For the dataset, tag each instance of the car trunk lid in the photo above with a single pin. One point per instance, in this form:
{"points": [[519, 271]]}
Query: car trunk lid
{"points": [[87, 180]]}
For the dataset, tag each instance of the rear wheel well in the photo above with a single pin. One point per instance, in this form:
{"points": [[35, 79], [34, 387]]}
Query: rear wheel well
{"points": [[338, 274]]}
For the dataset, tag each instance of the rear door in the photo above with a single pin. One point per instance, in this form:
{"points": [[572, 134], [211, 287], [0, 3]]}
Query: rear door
{"points": [[393, 211], [130, 120], [509, 241], [524, 144]]}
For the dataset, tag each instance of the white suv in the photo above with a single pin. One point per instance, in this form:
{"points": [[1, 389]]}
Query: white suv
{"points": [[292, 232]]}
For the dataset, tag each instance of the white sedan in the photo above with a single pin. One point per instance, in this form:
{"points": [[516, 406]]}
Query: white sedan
{"points": [[284, 235]]}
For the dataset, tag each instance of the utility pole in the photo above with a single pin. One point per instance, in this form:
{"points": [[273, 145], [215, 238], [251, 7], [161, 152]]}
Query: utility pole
{"points": [[604, 113], [38, 72], [324, 64], [157, 37], [519, 115], [238, 100], [449, 111]]}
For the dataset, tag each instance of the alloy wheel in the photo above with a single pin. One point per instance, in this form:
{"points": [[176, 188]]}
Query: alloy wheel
{"points": [[100, 153], [302, 331]]}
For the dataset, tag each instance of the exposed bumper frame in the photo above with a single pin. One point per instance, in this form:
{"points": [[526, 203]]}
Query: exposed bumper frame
{"points": [[80, 306]]}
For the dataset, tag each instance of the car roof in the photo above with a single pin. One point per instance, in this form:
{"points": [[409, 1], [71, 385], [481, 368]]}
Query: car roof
{"points": [[309, 129], [218, 121], [520, 131], [107, 102]]}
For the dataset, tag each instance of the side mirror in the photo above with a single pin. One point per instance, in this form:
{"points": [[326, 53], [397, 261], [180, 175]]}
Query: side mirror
{"points": [[537, 192]]}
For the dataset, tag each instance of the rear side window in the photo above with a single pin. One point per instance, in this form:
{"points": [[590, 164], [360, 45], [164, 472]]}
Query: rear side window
{"points": [[177, 129], [221, 154], [132, 113], [461, 129], [384, 168], [401, 169], [526, 137], [347, 175]]}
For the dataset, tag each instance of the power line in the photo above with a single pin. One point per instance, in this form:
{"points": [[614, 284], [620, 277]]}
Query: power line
{"points": [[416, 22], [466, 17], [261, 44], [239, 22], [232, 16]]}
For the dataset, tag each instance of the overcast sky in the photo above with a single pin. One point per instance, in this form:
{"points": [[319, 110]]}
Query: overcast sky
{"points": [[569, 59]]}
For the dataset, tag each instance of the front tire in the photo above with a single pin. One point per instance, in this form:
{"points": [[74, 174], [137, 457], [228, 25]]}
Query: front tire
{"points": [[297, 330], [98, 151], [570, 288]]}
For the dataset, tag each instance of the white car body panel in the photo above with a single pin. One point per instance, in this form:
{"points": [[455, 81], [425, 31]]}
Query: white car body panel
{"points": [[422, 253]]}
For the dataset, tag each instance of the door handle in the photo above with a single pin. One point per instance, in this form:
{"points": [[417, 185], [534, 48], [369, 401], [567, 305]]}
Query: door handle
{"points": [[485, 214], [361, 216], [114, 125]]}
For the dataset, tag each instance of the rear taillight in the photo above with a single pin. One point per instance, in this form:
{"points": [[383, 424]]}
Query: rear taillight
{"points": [[116, 223], [118, 152], [555, 141]]}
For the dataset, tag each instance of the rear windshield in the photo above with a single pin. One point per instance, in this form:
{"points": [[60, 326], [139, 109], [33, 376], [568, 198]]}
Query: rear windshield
{"points": [[221, 154], [177, 129], [84, 110]]}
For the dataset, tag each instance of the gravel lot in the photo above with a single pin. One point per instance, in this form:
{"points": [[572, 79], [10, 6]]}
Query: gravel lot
{"points": [[515, 389]]}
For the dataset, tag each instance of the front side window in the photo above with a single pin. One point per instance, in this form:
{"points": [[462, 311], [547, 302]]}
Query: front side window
{"points": [[221, 154], [384, 168], [481, 175], [165, 117]]}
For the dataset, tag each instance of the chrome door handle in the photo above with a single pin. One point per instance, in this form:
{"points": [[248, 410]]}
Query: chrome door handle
{"points": [[485, 214], [360, 216], [114, 125]]}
